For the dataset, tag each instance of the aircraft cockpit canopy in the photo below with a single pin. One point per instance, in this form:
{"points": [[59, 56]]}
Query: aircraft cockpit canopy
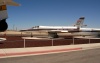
{"points": [[35, 27]]}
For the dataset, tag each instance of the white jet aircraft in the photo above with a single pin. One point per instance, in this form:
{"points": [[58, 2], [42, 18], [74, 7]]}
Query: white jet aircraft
{"points": [[76, 31]]}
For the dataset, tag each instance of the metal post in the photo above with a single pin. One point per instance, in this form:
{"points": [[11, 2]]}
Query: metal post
{"points": [[73, 40], [52, 42], [13, 27], [89, 40], [24, 43]]}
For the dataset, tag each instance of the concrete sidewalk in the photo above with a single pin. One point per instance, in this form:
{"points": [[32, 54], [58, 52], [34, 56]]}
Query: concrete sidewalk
{"points": [[14, 52]]}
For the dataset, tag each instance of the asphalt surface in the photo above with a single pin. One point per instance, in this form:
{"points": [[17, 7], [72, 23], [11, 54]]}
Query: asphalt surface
{"points": [[84, 56]]}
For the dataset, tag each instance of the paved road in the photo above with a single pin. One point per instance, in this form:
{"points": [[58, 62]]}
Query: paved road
{"points": [[85, 56]]}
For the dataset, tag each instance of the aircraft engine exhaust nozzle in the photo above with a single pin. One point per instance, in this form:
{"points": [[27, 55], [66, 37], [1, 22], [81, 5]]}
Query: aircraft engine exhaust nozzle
{"points": [[3, 25]]}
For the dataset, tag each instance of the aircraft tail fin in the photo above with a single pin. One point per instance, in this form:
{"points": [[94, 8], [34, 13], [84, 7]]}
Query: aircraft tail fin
{"points": [[80, 22]]}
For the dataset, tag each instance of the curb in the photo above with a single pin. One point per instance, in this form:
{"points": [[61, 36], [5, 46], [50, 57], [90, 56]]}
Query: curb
{"points": [[17, 52], [5, 55]]}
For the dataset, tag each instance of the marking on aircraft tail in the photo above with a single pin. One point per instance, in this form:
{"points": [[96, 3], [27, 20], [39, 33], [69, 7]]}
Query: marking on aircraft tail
{"points": [[3, 7]]}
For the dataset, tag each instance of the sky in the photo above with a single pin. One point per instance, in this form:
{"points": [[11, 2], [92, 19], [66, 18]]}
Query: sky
{"points": [[53, 13]]}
